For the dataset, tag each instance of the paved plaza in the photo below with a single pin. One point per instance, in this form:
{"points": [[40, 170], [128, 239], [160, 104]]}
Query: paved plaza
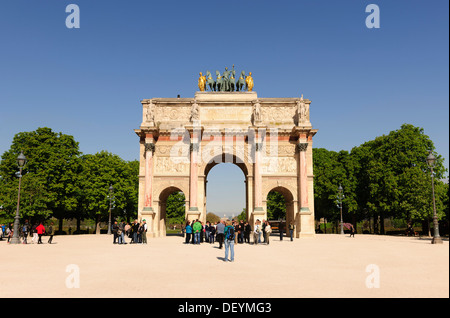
{"points": [[326, 266]]}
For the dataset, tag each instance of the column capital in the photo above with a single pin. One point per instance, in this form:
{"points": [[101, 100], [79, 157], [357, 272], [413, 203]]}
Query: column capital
{"points": [[149, 146], [302, 146]]}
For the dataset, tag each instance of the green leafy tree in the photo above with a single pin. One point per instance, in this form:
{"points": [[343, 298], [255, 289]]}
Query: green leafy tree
{"points": [[392, 175], [176, 207], [212, 218], [48, 177], [276, 206], [98, 172]]}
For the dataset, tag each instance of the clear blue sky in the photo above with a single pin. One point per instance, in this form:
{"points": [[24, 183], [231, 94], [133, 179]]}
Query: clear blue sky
{"points": [[88, 82]]}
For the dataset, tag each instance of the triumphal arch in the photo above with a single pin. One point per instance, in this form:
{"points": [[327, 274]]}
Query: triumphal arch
{"points": [[269, 139]]}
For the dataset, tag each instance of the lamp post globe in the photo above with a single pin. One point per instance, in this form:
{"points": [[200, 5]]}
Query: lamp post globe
{"points": [[21, 161], [431, 160]]}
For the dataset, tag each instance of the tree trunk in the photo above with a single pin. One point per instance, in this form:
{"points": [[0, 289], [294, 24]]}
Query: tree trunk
{"points": [[60, 224], [97, 230]]}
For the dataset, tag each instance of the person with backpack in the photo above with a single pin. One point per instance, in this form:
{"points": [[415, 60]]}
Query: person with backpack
{"points": [[230, 234], [197, 229]]}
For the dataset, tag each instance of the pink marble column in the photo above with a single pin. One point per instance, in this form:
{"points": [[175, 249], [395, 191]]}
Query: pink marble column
{"points": [[149, 148], [257, 177], [193, 181], [303, 180]]}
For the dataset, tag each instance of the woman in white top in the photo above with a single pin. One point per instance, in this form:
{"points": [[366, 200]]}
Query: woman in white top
{"points": [[268, 231]]}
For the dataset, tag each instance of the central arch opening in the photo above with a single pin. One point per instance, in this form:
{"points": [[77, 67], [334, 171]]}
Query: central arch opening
{"points": [[225, 188]]}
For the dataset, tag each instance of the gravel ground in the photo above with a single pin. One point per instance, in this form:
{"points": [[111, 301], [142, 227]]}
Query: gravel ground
{"points": [[327, 266]]}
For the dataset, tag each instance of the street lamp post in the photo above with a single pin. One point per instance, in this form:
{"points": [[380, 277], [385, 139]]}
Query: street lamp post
{"points": [[340, 197], [21, 161], [111, 189], [436, 237]]}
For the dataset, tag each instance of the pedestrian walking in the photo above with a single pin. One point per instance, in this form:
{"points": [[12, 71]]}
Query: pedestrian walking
{"points": [[352, 230], [230, 235], [51, 233], [40, 229]]}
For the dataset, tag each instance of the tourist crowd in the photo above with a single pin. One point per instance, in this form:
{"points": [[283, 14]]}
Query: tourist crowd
{"points": [[136, 232], [36, 231], [197, 232]]}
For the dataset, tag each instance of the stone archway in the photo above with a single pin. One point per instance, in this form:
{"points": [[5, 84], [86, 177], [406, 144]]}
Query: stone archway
{"points": [[270, 139], [289, 204], [220, 159], [160, 226]]}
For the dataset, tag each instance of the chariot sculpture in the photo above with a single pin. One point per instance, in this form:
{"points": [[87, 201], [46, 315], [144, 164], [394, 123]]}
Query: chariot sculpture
{"points": [[226, 82]]}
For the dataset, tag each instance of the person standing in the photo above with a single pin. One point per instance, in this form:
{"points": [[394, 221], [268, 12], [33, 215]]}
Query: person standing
{"points": [[230, 234], [35, 234], [219, 230], [241, 232], [115, 229], [212, 233], [144, 232], [268, 231], [291, 230], [247, 231], [135, 229], [256, 233], [50, 232], [207, 227], [40, 229], [128, 230], [121, 232], [263, 230], [281, 227], [25, 232], [197, 228], [188, 232]]}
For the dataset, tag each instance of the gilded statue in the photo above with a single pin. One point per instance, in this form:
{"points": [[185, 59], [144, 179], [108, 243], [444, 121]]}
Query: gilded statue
{"points": [[225, 82], [249, 82], [202, 82]]}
